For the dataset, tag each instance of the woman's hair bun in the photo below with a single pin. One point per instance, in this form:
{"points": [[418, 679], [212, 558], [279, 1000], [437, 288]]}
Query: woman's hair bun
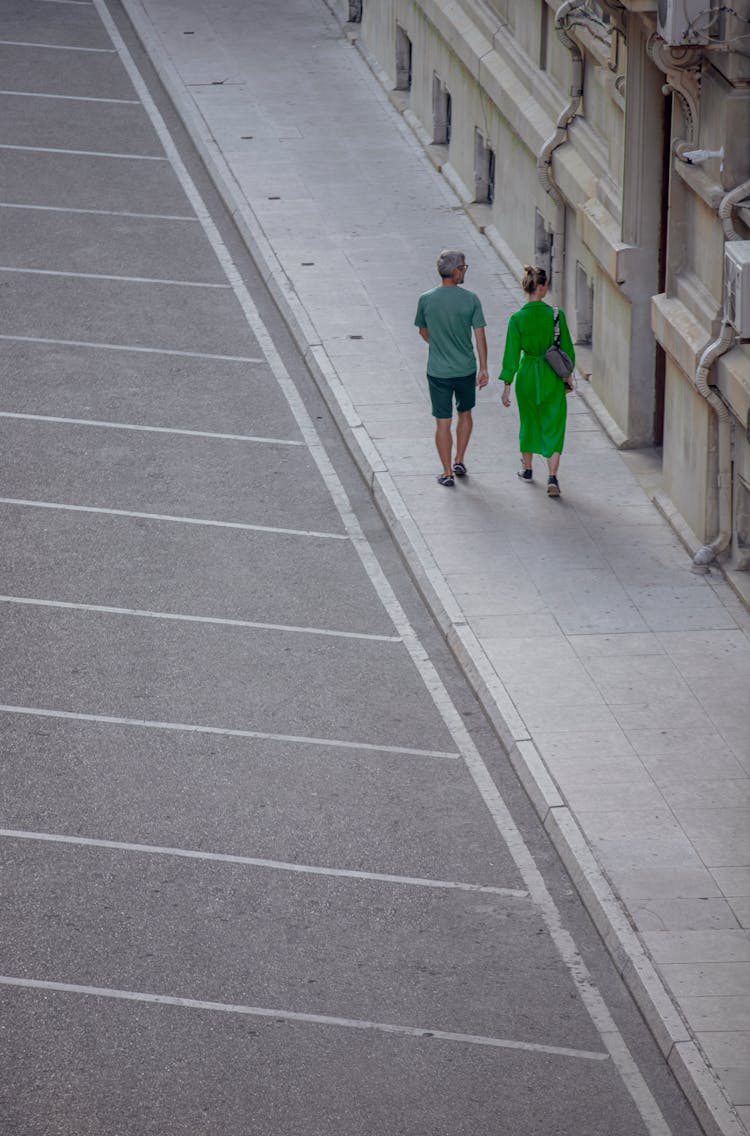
{"points": [[533, 277]]}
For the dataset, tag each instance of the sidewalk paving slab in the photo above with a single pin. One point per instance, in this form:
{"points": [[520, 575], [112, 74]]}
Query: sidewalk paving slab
{"points": [[616, 679]]}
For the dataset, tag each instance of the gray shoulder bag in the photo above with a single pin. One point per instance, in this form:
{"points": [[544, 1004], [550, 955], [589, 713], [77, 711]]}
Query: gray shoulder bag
{"points": [[559, 360]]}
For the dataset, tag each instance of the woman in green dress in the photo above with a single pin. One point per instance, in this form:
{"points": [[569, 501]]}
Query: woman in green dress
{"points": [[540, 393]]}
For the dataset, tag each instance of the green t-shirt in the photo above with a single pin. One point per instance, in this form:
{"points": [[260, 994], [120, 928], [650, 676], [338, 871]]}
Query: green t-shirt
{"points": [[449, 312]]}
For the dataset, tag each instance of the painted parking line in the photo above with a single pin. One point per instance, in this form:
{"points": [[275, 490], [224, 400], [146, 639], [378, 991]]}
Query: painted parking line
{"points": [[85, 153], [57, 46], [130, 347], [254, 862], [310, 1019], [177, 617], [68, 98], [104, 276], [591, 997], [191, 728], [254, 438], [244, 526], [505, 1043], [99, 212]]}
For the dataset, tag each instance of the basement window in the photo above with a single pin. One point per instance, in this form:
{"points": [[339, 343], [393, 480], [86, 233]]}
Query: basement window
{"points": [[442, 112], [355, 11], [403, 60], [742, 513], [584, 306], [544, 36], [542, 244], [484, 170]]}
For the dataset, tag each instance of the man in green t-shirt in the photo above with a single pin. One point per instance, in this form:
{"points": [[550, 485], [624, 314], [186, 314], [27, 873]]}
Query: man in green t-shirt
{"points": [[445, 317]]}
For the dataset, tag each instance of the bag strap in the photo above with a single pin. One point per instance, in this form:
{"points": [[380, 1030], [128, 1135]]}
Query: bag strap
{"points": [[556, 327]]}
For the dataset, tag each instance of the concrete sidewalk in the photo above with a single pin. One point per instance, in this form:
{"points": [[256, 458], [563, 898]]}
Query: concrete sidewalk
{"points": [[617, 679]]}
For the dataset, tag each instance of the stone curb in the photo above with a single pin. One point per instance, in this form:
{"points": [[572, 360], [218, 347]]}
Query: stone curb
{"points": [[672, 1035]]}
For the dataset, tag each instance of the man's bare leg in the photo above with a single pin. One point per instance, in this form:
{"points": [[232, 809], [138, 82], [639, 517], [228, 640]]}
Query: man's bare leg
{"points": [[463, 432], [444, 443]]}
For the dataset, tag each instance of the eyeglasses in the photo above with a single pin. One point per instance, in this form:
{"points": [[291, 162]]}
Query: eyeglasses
{"points": [[463, 266]]}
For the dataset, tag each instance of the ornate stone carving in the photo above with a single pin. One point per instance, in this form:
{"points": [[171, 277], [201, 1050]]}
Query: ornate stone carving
{"points": [[682, 66]]}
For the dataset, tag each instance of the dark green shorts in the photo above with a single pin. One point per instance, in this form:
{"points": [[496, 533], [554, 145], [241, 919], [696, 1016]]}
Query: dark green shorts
{"points": [[443, 390]]}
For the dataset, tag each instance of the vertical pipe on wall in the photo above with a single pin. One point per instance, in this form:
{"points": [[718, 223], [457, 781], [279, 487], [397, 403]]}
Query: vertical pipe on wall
{"points": [[569, 13], [544, 160], [704, 556], [728, 202], [720, 345]]}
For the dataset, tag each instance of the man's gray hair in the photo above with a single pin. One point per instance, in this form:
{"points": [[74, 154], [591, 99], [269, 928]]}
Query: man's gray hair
{"points": [[449, 260]]}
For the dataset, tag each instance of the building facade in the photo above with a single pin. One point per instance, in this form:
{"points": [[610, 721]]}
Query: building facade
{"points": [[609, 140]]}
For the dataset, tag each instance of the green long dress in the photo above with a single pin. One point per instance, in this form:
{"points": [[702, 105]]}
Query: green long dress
{"points": [[540, 394]]}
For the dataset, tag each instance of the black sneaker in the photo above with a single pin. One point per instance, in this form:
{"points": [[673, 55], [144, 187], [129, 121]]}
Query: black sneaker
{"points": [[525, 474], [446, 479], [460, 469], [553, 489]]}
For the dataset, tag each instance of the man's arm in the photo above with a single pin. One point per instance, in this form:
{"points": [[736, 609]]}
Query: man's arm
{"points": [[425, 334], [482, 374]]}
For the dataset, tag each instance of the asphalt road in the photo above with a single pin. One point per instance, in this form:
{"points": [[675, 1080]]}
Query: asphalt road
{"points": [[265, 869]]}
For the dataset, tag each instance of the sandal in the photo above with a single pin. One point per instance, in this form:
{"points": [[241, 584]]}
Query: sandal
{"points": [[446, 479], [459, 469]]}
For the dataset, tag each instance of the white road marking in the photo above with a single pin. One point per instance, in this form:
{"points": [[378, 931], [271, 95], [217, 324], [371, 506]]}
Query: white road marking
{"points": [[152, 429], [69, 98], [129, 347], [104, 276], [57, 46], [179, 618], [84, 153], [99, 212], [333, 743], [254, 862], [314, 1019], [176, 520], [589, 993]]}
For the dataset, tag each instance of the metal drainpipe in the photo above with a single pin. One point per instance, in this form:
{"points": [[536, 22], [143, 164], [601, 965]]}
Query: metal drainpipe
{"points": [[544, 161], [725, 209], [704, 556]]}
